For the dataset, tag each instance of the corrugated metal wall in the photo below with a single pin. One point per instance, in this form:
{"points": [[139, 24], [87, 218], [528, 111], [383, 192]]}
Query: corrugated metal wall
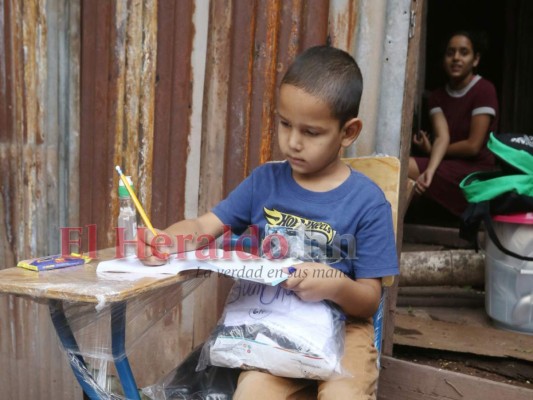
{"points": [[39, 150], [182, 95]]}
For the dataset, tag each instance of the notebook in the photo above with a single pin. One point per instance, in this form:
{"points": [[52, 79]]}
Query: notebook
{"points": [[236, 264]]}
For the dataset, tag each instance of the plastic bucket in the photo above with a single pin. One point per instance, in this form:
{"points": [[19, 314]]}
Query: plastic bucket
{"points": [[509, 280]]}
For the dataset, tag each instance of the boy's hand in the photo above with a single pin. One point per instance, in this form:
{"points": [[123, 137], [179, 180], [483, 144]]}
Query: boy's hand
{"points": [[154, 250], [314, 281]]}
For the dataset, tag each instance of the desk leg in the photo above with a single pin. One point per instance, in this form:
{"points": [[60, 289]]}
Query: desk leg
{"points": [[118, 345], [77, 363]]}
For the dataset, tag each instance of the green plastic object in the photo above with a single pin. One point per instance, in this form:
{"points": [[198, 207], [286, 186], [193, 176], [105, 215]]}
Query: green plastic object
{"points": [[517, 153], [122, 191]]}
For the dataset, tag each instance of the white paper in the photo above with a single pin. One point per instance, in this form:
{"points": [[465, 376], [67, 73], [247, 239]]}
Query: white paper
{"points": [[231, 263]]}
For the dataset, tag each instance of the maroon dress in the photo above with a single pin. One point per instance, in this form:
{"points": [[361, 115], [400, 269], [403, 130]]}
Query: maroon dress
{"points": [[479, 97]]}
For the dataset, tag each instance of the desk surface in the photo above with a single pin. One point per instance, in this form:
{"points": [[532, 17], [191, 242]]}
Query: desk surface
{"points": [[82, 283]]}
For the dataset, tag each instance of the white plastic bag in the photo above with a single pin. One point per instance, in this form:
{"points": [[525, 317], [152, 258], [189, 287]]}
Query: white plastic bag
{"points": [[270, 329]]}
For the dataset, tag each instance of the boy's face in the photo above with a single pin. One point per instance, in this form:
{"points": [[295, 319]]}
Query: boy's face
{"points": [[309, 136]]}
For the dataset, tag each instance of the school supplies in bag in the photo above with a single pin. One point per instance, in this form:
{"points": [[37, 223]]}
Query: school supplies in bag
{"points": [[270, 329], [504, 192]]}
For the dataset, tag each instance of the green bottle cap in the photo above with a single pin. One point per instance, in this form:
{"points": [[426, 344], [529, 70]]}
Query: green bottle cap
{"points": [[122, 191]]}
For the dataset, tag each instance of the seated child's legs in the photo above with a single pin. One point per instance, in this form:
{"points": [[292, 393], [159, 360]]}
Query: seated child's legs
{"points": [[259, 385], [360, 359]]}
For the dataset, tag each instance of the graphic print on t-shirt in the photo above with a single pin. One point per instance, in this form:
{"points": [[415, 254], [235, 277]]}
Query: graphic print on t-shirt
{"points": [[308, 240]]}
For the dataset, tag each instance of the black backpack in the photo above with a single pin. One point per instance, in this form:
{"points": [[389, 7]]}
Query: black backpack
{"points": [[503, 192]]}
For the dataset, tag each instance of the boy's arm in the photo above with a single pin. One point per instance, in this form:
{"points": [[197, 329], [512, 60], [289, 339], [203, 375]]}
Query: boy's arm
{"points": [[316, 282], [193, 233], [358, 298], [181, 236]]}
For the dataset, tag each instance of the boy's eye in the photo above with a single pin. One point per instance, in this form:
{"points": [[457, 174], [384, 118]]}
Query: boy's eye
{"points": [[311, 133], [284, 123]]}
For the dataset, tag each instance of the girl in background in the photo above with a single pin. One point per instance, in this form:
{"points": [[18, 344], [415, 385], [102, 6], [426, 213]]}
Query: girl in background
{"points": [[462, 113]]}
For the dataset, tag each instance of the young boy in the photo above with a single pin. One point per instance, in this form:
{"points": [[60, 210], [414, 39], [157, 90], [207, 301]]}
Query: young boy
{"points": [[317, 109]]}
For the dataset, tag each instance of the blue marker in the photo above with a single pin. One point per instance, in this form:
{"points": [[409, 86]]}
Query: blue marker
{"points": [[292, 270]]}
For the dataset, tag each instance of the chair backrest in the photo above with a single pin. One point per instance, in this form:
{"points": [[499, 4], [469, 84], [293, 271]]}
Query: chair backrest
{"points": [[384, 172]]}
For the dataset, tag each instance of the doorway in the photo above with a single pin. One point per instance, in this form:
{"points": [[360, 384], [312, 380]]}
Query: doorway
{"points": [[506, 62], [484, 17]]}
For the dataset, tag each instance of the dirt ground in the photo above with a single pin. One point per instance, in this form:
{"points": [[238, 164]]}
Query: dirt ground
{"points": [[510, 371]]}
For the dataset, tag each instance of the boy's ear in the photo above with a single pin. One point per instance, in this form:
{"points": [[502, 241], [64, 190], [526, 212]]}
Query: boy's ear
{"points": [[351, 130]]}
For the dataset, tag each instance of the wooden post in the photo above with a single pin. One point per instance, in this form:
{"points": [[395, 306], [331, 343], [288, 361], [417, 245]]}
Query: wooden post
{"points": [[412, 68]]}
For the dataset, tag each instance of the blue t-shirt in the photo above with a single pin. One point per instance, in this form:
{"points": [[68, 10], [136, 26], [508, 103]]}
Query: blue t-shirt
{"points": [[350, 227]]}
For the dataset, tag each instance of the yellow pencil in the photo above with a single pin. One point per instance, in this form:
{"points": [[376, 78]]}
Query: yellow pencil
{"points": [[136, 201]]}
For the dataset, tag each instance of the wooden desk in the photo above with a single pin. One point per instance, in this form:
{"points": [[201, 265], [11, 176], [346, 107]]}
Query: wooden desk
{"points": [[81, 284]]}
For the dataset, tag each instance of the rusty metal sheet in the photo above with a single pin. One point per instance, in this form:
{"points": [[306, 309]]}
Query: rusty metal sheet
{"points": [[258, 41], [147, 101], [6, 101], [7, 186], [342, 24], [215, 104], [119, 53], [240, 93], [172, 110], [263, 82], [31, 156], [97, 116], [268, 36]]}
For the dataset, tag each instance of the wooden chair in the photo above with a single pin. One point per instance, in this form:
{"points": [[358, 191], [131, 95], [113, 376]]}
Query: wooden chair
{"points": [[385, 172]]}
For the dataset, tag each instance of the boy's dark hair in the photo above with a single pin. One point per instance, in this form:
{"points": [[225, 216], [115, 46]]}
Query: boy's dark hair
{"points": [[330, 74]]}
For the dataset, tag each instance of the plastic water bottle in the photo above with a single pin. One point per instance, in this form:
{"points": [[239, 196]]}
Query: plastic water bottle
{"points": [[127, 218]]}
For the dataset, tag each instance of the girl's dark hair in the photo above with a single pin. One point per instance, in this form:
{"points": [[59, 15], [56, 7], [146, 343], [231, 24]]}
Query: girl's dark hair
{"points": [[478, 39], [330, 74]]}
